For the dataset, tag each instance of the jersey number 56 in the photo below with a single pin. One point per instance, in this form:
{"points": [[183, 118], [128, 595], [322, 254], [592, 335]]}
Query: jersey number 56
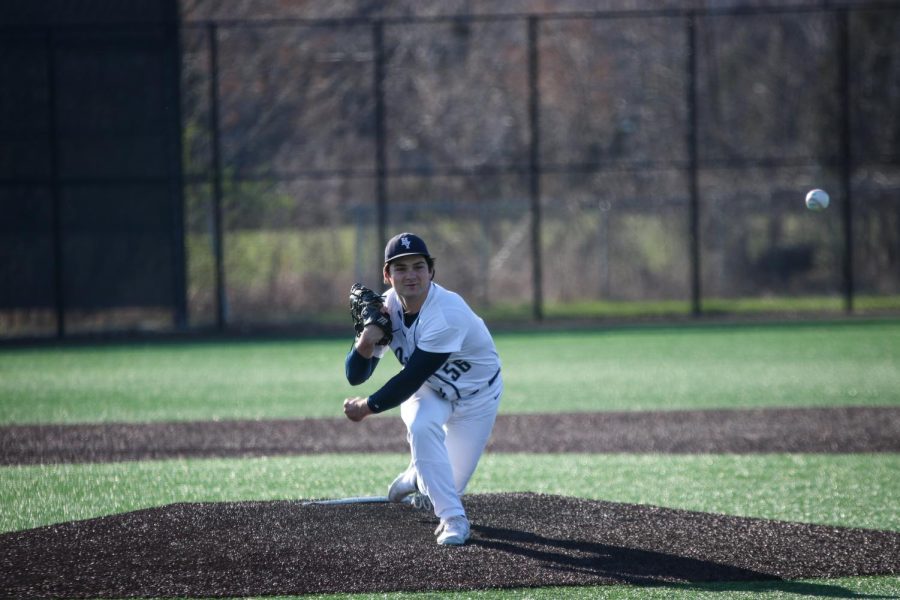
{"points": [[456, 368]]}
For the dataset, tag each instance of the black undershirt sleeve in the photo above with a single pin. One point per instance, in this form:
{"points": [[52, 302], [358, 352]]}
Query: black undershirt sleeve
{"points": [[357, 368], [421, 366]]}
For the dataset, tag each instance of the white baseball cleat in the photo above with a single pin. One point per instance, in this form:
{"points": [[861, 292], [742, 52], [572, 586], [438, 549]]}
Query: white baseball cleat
{"points": [[453, 531], [403, 485]]}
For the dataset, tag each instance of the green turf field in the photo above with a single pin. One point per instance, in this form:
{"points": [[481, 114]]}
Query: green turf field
{"points": [[776, 486], [648, 368], [811, 364]]}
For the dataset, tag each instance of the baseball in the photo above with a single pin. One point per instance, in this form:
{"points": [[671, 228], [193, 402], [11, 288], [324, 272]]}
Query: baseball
{"points": [[817, 200]]}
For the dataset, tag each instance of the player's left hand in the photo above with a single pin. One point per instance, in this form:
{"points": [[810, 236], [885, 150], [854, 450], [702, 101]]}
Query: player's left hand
{"points": [[356, 408]]}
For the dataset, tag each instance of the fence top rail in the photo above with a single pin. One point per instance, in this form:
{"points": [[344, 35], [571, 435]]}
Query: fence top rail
{"points": [[833, 6], [679, 12]]}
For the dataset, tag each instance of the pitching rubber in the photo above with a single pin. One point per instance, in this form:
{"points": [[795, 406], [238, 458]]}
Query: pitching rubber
{"points": [[350, 500]]}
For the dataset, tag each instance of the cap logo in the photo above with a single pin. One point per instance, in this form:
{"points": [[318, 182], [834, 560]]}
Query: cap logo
{"points": [[405, 242]]}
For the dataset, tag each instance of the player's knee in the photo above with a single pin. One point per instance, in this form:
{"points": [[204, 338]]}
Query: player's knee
{"points": [[424, 431]]}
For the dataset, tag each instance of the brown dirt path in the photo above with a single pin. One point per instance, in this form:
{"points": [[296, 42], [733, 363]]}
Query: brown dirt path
{"points": [[849, 429]]}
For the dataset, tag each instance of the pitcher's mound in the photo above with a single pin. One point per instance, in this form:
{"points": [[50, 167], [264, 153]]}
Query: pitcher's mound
{"points": [[518, 540]]}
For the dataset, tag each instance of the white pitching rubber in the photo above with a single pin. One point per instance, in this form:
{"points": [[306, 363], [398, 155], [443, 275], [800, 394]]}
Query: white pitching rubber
{"points": [[350, 500]]}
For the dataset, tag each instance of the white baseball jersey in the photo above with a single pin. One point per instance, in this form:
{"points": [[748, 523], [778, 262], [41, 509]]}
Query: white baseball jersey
{"points": [[446, 324]]}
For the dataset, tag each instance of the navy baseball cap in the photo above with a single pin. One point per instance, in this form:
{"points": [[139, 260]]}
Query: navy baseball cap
{"points": [[404, 244]]}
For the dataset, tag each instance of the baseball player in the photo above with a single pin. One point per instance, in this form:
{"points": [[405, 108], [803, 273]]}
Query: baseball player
{"points": [[448, 389]]}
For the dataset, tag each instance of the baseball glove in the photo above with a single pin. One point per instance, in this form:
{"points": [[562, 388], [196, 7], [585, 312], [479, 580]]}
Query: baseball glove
{"points": [[365, 308]]}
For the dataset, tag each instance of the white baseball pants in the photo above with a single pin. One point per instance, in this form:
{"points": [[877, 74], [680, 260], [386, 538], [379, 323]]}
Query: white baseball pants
{"points": [[446, 440]]}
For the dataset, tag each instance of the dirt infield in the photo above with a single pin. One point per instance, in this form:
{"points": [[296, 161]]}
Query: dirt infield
{"points": [[853, 429], [519, 540]]}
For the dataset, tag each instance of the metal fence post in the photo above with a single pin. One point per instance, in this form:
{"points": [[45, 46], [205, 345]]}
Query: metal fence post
{"points": [[217, 234], [172, 59], [534, 166], [380, 134], [843, 47], [693, 166], [59, 299]]}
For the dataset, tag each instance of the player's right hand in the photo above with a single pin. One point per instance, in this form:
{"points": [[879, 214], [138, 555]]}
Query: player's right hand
{"points": [[357, 408]]}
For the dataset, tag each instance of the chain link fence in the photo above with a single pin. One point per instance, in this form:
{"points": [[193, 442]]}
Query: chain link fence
{"points": [[595, 165]]}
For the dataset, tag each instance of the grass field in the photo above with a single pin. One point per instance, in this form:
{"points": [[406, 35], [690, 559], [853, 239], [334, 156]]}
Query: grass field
{"points": [[647, 368]]}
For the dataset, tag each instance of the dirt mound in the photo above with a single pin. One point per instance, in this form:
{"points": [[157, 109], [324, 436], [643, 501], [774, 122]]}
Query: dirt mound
{"points": [[519, 540]]}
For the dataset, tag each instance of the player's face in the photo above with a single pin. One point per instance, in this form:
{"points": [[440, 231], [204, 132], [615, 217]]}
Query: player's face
{"points": [[410, 278]]}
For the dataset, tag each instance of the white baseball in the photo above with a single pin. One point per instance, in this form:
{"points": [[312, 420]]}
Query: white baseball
{"points": [[817, 200]]}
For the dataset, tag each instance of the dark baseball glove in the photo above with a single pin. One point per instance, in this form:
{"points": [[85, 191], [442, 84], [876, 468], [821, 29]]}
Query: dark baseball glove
{"points": [[365, 308]]}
